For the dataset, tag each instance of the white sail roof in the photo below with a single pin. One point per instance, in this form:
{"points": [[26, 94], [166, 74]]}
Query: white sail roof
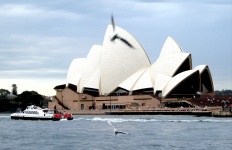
{"points": [[161, 81], [90, 76], [129, 82], [75, 70], [144, 81], [169, 64], [201, 68], [176, 80], [170, 47], [93, 80], [119, 61]]}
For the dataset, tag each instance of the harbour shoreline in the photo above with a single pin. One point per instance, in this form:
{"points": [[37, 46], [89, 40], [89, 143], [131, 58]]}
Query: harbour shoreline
{"points": [[211, 112], [214, 112]]}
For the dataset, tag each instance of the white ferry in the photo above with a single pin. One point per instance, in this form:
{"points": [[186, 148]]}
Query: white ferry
{"points": [[36, 113]]}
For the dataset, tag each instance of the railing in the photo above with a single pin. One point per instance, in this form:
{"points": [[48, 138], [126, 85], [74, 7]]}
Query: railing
{"points": [[168, 109]]}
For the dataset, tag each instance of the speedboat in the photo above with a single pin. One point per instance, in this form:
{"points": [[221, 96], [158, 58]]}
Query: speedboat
{"points": [[36, 113]]}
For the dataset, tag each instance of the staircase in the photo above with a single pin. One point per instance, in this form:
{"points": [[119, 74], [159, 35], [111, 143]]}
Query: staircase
{"points": [[190, 103], [61, 103]]}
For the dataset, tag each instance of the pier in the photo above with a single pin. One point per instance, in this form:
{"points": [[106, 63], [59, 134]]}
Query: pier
{"points": [[225, 112], [210, 111], [213, 111]]}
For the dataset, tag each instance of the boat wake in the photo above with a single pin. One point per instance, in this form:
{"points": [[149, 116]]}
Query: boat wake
{"points": [[78, 119], [160, 120], [64, 120], [144, 120], [4, 116]]}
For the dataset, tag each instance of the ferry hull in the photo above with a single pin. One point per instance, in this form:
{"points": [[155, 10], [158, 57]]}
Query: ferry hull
{"points": [[36, 113], [32, 118]]}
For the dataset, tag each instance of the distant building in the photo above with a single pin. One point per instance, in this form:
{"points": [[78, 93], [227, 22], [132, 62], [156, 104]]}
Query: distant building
{"points": [[119, 74]]}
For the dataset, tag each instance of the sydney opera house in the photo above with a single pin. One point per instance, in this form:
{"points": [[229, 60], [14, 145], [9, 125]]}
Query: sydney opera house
{"points": [[118, 74]]}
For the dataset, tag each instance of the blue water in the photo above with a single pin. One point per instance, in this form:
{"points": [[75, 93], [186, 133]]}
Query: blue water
{"points": [[158, 132]]}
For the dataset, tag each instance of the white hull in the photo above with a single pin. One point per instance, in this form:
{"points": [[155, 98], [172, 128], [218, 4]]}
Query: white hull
{"points": [[31, 117], [34, 113]]}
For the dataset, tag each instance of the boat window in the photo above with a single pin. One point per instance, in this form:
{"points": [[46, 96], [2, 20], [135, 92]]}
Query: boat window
{"points": [[56, 112], [45, 111], [31, 112], [50, 112]]}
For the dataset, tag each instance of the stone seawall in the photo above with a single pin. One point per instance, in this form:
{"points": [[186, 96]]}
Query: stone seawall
{"points": [[210, 111], [160, 111], [195, 113], [221, 113]]}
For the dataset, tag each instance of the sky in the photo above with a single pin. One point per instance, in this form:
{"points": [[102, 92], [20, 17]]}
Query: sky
{"points": [[39, 39]]}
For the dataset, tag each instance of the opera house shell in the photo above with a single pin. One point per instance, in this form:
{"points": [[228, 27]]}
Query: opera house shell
{"points": [[121, 66]]}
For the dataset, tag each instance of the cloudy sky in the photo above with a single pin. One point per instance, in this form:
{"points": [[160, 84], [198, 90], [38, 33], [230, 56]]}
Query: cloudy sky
{"points": [[39, 39]]}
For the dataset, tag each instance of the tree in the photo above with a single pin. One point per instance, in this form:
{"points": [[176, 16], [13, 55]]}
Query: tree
{"points": [[223, 92], [14, 89], [30, 98], [3, 93], [4, 102]]}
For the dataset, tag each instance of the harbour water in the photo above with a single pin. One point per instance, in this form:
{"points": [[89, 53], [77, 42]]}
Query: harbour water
{"points": [[146, 132]]}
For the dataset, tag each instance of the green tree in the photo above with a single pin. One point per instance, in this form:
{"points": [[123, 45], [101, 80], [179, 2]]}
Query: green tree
{"points": [[3, 93], [224, 92], [14, 89], [30, 98], [4, 102]]}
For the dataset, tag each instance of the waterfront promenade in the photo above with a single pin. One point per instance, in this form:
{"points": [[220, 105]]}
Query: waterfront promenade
{"points": [[210, 111]]}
